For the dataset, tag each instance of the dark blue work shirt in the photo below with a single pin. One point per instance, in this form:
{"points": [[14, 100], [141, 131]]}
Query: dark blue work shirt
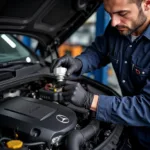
{"points": [[131, 62]]}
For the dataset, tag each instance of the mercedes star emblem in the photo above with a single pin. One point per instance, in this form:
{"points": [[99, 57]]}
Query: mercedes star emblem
{"points": [[62, 119]]}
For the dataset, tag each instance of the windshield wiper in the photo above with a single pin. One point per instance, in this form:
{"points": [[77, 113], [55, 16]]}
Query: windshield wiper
{"points": [[12, 63]]}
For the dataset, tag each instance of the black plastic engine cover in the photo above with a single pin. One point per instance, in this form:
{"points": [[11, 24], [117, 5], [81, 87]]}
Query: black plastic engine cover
{"points": [[39, 120]]}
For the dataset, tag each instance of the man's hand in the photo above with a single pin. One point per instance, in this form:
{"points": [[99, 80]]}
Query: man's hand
{"points": [[76, 94], [73, 65]]}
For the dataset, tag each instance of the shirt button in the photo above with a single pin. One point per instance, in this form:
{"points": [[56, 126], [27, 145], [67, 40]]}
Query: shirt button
{"points": [[125, 62], [130, 45], [123, 81]]}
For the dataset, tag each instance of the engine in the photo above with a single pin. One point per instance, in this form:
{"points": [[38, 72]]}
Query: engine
{"points": [[38, 120], [35, 116]]}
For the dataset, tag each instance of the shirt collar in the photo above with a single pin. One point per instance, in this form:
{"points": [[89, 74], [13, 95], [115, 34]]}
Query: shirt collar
{"points": [[146, 33]]}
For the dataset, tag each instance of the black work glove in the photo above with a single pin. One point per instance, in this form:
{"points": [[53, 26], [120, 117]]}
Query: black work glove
{"points": [[73, 65], [76, 94]]}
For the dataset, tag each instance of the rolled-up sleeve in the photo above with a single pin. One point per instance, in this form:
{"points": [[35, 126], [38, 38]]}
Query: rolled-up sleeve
{"points": [[128, 110]]}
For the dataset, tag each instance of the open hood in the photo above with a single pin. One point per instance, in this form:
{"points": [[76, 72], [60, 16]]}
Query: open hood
{"points": [[49, 21]]}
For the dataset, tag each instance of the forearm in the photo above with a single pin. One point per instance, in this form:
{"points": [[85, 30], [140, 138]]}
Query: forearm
{"points": [[128, 110], [95, 56]]}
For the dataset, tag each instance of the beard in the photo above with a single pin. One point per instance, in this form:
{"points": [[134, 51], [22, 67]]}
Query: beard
{"points": [[125, 30]]}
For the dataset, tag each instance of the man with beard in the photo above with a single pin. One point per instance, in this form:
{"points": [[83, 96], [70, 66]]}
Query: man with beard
{"points": [[125, 43]]}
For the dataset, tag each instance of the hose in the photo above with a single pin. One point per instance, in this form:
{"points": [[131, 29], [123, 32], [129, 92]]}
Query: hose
{"points": [[78, 137]]}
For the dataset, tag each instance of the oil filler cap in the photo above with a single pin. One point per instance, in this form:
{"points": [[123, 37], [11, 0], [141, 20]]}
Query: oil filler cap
{"points": [[60, 73], [14, 144]]}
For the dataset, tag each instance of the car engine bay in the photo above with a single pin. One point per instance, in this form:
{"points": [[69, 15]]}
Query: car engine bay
{"points": [[34, 115]]}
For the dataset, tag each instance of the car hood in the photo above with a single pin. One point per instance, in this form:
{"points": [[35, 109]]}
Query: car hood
{"points": [[49, 21]]}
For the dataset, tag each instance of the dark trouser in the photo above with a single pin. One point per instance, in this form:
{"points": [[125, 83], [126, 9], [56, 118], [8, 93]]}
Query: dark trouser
{"points": [[136, 145], [129, 141], [134, 141]]}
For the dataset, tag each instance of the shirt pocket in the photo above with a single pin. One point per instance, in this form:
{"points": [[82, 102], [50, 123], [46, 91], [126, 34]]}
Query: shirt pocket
{"points": [[139, 74]]}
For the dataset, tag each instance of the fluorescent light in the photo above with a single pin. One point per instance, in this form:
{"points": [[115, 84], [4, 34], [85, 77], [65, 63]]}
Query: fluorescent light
{"points": [[8, 40]]}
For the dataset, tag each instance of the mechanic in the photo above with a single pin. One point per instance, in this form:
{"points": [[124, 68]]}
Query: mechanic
{"points": [[125, 43]]}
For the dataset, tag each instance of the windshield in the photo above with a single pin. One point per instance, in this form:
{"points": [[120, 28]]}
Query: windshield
{"points": [[12, 50]]}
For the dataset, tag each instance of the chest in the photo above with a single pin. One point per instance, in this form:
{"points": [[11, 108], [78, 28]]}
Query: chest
{"points": [[131, 61]]}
